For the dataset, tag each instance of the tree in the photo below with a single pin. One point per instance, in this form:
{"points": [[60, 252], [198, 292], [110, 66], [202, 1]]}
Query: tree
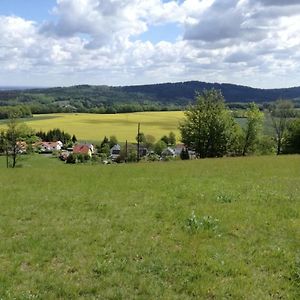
{"points": [[74, 139], [184, 154], [172, 139], [2, 141], [113, 141], [149, 141], [4, 146], [208, 125], [104, 142], [12, 139], [291, 144], [165, 139], [140, 138], [159, 147], [252, 129], [280, 113]]}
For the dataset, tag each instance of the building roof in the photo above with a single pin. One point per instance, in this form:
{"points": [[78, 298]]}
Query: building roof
{"points": [[82, 149], [169, 150], [116, 147]]}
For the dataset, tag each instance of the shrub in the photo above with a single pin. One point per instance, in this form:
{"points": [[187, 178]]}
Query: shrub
{"points": [[266, 146], [71, 159], [152, 157], [184, 154]]}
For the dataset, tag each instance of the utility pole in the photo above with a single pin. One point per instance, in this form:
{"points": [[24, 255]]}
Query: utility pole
{"points": [[126, 151], [138, 143], [6, 154]]}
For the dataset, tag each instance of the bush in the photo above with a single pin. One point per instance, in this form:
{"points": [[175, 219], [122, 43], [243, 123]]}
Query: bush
{"points": [[152, 157], [71, 159], [266, 146], [184, 154], [292, 142]]}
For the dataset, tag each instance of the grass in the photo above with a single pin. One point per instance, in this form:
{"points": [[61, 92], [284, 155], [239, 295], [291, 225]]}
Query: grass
{"points": [[93, 127], [124, 231]]}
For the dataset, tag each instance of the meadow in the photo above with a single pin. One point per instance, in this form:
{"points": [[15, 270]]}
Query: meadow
{"points": [[93, 127], [205, 229]]}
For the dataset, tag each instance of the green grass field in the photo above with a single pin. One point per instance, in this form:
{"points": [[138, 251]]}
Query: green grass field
{"points": [[121, 231], [93, 127]]}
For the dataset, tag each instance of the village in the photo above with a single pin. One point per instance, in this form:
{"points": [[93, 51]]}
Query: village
{"points": [[118, 153], [109, 151]]}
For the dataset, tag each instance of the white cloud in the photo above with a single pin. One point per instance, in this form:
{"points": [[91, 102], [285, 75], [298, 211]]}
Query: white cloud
{"points": [[97, 41]]}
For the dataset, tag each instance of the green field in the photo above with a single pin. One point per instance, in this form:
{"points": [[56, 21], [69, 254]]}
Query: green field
{"points": [[122, 231], [93, 127]]}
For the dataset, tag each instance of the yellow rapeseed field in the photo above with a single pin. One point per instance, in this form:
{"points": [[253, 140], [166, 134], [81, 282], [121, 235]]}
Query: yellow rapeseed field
{"points": [[93, 127]]}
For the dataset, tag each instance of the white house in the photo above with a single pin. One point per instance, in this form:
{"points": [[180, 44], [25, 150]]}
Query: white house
{"points": [[168, 152], [50, 146], [115, 151]]}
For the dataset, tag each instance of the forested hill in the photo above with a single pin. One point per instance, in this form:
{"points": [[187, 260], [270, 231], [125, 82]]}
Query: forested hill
{"points": [[106, 99], [231, 92]]}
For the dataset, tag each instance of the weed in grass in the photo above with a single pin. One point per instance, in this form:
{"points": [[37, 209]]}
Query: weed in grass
{"points": [[194, 224], [295, 278], [224, 198]]}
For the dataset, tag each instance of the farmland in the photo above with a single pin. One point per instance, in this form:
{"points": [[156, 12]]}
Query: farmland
{"points": [[93, 127], [128, 231]]}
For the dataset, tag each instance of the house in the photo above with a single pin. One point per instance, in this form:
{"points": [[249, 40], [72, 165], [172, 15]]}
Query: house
{"points": [[64, 155], [48, 146], [115, 151], [168, 152], [84, 149], [21, 147], [192, 154], [143, 151], [179, 148]]}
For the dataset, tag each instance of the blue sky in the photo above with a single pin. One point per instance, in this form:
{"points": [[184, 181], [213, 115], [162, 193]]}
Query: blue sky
{"points": [[37, 10], [120, 42]]}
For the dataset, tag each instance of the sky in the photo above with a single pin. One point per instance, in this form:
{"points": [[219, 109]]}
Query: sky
{"points": [[128, 42]]}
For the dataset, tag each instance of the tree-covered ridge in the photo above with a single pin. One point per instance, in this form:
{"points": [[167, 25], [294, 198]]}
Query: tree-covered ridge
{"points": [[182, 91], [155, 97]]}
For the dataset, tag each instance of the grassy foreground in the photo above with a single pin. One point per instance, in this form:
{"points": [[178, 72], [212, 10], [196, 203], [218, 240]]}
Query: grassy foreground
{"points": [[121, 231], [93, 127]]}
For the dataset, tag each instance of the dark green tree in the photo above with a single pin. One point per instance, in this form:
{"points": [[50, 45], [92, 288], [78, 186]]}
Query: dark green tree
{"points": [[208, 125], [113, 141], [281, 113], [165, 139], [184, 154], [291, 143], [74, 139], [172, 139], [104, 142]]}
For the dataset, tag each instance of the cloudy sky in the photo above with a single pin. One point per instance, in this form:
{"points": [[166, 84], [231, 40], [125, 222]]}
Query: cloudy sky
{"points": [[120, 42]]}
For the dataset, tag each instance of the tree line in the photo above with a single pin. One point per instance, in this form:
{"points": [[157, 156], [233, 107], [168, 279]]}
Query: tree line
{"points": [[211, 131], [23, 111]]}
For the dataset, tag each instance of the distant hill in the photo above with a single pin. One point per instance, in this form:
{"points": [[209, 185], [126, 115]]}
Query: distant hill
{"points": [[152, 97], [231, 92]]}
